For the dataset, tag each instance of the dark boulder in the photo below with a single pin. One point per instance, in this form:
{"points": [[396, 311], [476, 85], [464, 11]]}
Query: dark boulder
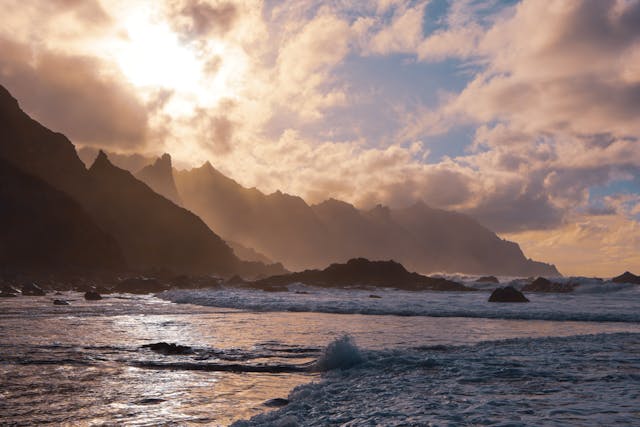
{"points": [[168, 348], [278, 402], [507, 294], [544, 285], [60, 302], [627, 277], [7, 291], [4, 294], [487, 279], [375, 296], [140, 285], [32, 289], [92, 296]]}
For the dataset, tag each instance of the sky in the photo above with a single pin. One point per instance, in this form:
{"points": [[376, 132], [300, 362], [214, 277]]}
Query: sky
{"points": [[523, 114]]}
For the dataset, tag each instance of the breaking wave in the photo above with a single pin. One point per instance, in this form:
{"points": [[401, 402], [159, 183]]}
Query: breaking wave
{"points": [[591, 302]]}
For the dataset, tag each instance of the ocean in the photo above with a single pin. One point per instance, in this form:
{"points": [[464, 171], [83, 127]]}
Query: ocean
{"points": [[311, 356]]}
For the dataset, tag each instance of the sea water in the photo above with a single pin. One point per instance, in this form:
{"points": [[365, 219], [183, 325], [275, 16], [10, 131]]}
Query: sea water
{"points": [[340, 357]]}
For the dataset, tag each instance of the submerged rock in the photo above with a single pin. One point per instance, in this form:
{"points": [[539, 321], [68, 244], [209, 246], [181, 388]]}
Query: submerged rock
{"points": [[32, 289], [92, 296], [627, 277], [487, 279], [507, 294], [168, 348], [60, 302], [375, 296]]}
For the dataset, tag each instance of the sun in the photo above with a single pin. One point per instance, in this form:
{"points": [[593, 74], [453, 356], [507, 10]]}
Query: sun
{"points": [[151, 54]]}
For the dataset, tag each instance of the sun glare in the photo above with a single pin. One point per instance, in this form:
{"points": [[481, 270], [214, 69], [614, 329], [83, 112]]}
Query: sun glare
{"points": [[152, 55]]}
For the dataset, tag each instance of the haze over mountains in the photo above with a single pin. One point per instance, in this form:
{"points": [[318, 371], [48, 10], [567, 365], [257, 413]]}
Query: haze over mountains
{"points": [[287, 229], [150, 214], [151, 232]]}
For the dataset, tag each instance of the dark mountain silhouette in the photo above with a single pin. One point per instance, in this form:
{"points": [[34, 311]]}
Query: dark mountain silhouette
{"points": [[151, 231], [159, 176], [42, 228], [285, 228], [133, 162], [451, 241]]}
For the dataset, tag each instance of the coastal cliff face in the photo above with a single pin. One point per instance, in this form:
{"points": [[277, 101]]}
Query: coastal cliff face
{"points": [[149, 230], [43, 228], [287, 229]]}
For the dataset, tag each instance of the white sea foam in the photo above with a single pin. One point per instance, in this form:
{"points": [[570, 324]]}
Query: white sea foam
{"points": [[581, 380], [592, 301]]}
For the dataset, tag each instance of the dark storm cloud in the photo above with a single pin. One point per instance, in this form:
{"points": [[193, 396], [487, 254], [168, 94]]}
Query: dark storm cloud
{"points": [[71, 94]]}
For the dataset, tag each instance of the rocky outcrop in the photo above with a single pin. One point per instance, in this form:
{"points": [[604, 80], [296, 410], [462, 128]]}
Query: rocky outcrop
{"points": [[507, 294], [627, 277], [362, 272], [7, 291], [92, 296], [168, 348], [32, 289]]}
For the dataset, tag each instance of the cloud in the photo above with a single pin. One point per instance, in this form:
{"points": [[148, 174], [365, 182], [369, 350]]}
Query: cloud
{"points": [[72, 94], [363, 101], [203, 18], [596, 245]]}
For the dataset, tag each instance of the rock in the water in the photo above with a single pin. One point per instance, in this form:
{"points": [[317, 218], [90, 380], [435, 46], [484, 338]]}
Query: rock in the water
{"points": [[278, 402], [507, 294], [168, 348], [92, 296], [375, 296], [7, 295], [140, 285], [60, 302], [544, 285], [627, 277], [32, 289], [488, 279], [7, 291]]}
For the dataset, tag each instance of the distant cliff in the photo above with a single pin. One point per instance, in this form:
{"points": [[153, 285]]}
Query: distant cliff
{"points": [[287, 229]]}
